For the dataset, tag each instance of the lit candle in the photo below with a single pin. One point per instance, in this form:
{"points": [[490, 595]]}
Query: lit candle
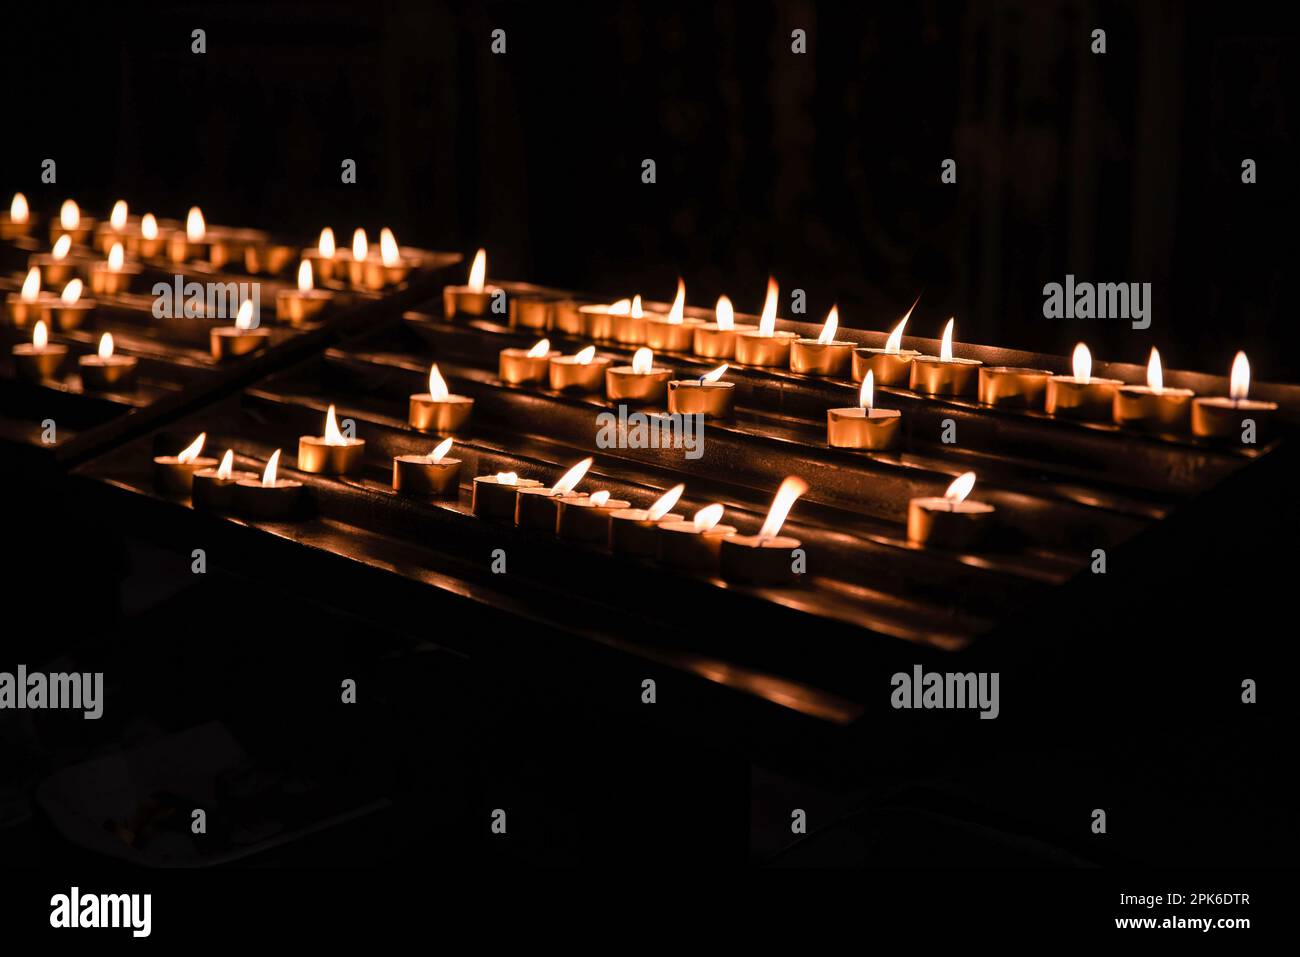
{"points": [[1216, 417], [717, 339], [1081, 396], [582, 372], [566, 317], [865, 427], [519, 366], [331, 453], [635, 531], [706, 395], [1013, 387], [765, 346], [531, 311], [215, 488], [120, 228], [40, 359], [535, 506], [58, 265], [432, 474], [194, 242], [693, 545], [765, 558], [1152, 406], [672, 332], [241, 339], [72, 224], [27, 305], [69, 310], [105, 371], [628, 323], [438, 410], [262, 254], [951, 521], [297, 306], [269, 498], [641, 383], [392, 265], [18, 220], [322, 258], [944, 374], [113, 276], [598, 319], [473, 297], [585, 518], [152, 239], [495, 496], [174, 474], [825, 355]]}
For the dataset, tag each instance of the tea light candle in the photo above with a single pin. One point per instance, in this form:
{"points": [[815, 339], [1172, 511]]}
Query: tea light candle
{"points": [[57, 266], [390, 268], [1080, 396], [706, 395], [473, 298], [765, 346], [566, 317], [120, 228], [215, 488], [194, 243], [70, 309], [520, 366], [270, 498], [40, 359], [634, 531], [598, 318], [765, 558], [1152, 406], [496, 496], [641, 383], [113, 276], [106, 372], [322, 258], [628, 324], [717, 339], [174, 474], [18, 221], [865, 427], [1012, 387], [262, 254], [243, 338], [951, 521], [331, 453], [297, 306], [1215, 417], [438, 410], [535, 507], [152, 240], [27, 305], [531, 312], [825, 355], [672, 332], [693, 545], [432, 474], [72, 224], [585, 518], [583, 372], [944, 374]]}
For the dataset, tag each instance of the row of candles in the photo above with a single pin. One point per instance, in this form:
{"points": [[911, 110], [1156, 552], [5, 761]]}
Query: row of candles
{"points": [[1082, 396]]}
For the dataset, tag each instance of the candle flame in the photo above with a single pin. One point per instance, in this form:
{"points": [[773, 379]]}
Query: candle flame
{"points": [[227, 466], [106, 346], [782, 502], [40, 335], [116, 258], [507, 478], [723, 313], [18, 211], [664, 504], [272, 466], [643, 360], [437, 385], [360, 248], [894, 343], [830, 327], [767, 321], [149, 226], [332, 434], [440, 450], [325, 247], [571, 478], [305, 283], [960, 488], [714, 374], [945, 347], [62, 246], [117, 218], [707, 518], [542, 348], [584, 357], [244, 317], [31, 285], [1239, 382], [69, 215], [1082, 362], [867, 394], [478, 271], [636, 307], [621, 308], [677, 314], [598, 498], [388, 249], [191, 451], [1155, 374], [195, 227], [71, 292]]}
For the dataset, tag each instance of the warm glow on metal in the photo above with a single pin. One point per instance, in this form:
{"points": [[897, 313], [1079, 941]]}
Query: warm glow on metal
{"points": [[767, 321], [707, 517], [478, 271], [191, 451], [1239, 382], [584, 356], [62, 246], [31, 285], [332, 434], [40, 335], [598, 498], [1155, 375], [1081, 362], [440, 450], [227, 467], [867, 394], [116, 258], [272, 466], [18, 211], [388, 249], [945, 347], [542, 348], [437, 385], [106, 346], [782, 502], [195, 227], [71, 292], [325, 246], [571, 478], [69, 215], [305, 283], [360, 248], [244, 317], [149, 226], [713, 375], [507, 478], [677, 314], [830, 326], [664, 504], [117, 218], [643, 360], [960, 488], [724, 315]]}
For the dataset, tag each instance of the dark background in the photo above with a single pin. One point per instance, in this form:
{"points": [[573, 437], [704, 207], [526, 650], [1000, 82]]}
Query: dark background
{"points": [[822, 169]]}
